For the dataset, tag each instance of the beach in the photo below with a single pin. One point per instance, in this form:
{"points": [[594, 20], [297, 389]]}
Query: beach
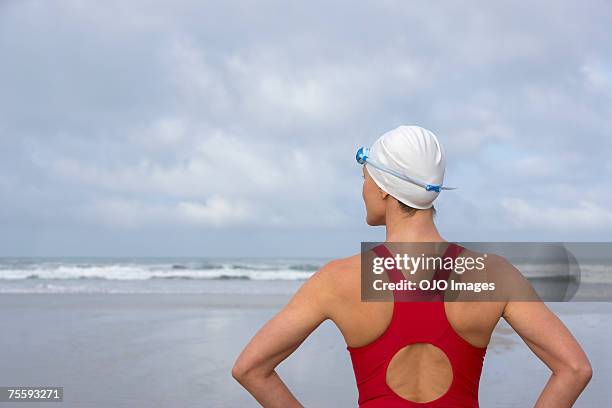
{"points": [[177, 349], [171, 173]]}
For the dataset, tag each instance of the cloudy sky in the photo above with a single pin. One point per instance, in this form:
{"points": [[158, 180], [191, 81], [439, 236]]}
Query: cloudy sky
{"points": [[229, 128]]}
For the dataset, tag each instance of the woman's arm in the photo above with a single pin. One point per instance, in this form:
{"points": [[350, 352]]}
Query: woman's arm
{"points": [[551, 341], [281, 336]]}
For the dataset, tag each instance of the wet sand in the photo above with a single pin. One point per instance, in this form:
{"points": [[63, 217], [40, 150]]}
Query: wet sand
{"points": [[152, 350]]}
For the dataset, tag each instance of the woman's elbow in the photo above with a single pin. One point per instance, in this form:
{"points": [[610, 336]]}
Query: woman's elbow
{"points": [[583, 372], [245, 371], [580, 372], [240, 371]]}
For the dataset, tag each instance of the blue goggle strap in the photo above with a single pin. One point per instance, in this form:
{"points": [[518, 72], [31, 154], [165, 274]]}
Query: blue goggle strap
{"points": [[362, 158]]}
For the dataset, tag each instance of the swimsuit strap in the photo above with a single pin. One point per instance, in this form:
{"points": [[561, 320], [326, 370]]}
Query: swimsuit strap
{"points": [[396, 276], [452, 251]]}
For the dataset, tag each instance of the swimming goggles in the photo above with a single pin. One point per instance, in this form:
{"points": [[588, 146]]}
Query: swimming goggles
{"points": [[362, 158]]}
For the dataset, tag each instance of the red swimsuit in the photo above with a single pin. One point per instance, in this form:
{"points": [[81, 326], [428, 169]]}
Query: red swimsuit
{"points": [[417, 322]]}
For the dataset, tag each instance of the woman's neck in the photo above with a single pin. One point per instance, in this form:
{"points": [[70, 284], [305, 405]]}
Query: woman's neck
{"points": [[418, 227]]}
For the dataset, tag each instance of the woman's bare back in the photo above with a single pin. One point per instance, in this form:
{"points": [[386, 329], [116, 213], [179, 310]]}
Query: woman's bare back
{"points": [[363, 322], [418, 372]]}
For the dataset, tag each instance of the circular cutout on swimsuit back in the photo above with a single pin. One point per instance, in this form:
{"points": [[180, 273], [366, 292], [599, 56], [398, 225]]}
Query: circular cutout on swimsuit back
{"points": [[419, 372]]}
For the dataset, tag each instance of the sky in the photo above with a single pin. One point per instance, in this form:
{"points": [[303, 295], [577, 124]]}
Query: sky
{"points": [[202, 128]]}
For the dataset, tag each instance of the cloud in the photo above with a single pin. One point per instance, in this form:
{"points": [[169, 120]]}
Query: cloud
{"points": [[583, 215], [214, 212], [207, 162], [199, 113], [278, 181]]}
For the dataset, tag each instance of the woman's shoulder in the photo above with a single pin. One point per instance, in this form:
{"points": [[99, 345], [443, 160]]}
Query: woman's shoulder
{"points": [[341, 275], [342, 268]]}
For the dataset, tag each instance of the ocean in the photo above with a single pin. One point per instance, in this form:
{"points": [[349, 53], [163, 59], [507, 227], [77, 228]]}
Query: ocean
{"points": [[273, 276], [156, 275]]}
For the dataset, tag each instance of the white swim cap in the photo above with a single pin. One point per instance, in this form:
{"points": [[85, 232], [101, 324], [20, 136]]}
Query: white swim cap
{"points": [[414, 152]]}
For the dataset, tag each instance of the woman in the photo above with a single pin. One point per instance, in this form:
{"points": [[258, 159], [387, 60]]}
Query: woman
{"points": [[408, 354]]}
